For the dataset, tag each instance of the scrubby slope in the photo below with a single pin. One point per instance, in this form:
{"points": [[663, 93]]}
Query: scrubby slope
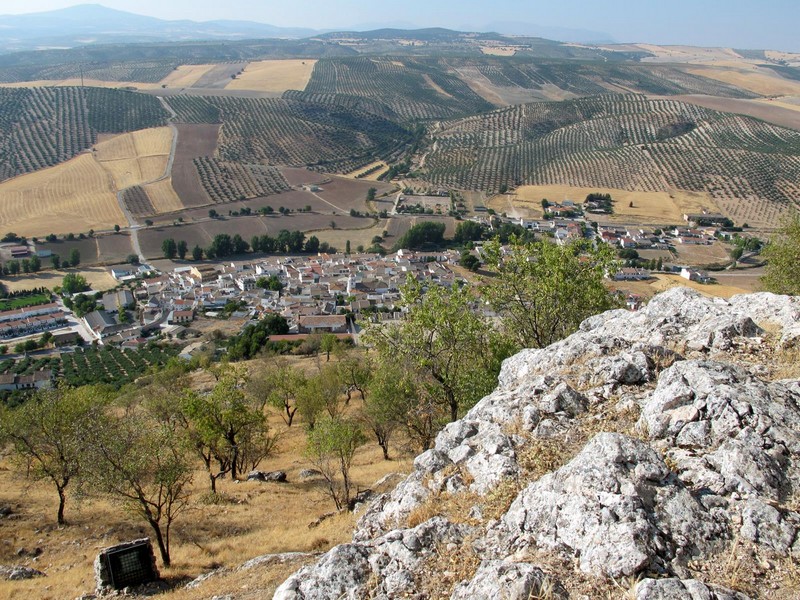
{"points": [[655, 453]]}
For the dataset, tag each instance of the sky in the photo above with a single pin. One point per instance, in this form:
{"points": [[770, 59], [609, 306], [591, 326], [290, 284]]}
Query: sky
{"points": [[765, 24]]}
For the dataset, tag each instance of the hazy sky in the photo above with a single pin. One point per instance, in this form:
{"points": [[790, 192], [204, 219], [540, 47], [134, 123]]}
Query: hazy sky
{"points": [[773, 24]]}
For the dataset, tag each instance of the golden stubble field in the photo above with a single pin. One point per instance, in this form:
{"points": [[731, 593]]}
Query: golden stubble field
{"points": [[274, 76], [250, 519], [137, 157], [80, 194]]}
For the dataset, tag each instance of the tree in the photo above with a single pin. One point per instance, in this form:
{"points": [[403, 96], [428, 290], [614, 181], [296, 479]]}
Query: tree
{"points": [[13, 267], [55, 260], [469, 261], [312, 245], [371, 194], [327, 344], [385, 408], [228, 427], [182, 249], [422, 235], [285, 383], [35, 263], [116, 228], [468, 231], [197, 253], [212, 213], [782, 253], [72, 283], [139, 461], [169, 248], [47, 433], [330, 447], [544, 290], [454, 353], [75, 257]]}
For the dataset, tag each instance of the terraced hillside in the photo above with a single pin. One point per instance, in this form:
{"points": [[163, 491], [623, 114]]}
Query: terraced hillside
{"points": [[624, 142], [277, 131], [42, 127]]}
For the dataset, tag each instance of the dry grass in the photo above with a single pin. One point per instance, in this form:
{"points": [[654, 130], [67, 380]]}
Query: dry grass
{"points": [[70, 197], [432, 84], [358, 237], [665, 282], [756, 79], [185, 76], [688, 53], [648, 207], [274, 76], [97, 277], [450, 565], [163, 196], [498, 50], [137, 157]]}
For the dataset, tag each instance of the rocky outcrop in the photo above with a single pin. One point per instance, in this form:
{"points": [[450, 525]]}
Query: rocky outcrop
{"points": [[671, 441]]}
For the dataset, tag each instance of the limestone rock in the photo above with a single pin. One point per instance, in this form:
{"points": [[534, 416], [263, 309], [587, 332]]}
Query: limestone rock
{"points": [[686, 589], [18, 573], [510, 581], [271, 476], [616, 506]]}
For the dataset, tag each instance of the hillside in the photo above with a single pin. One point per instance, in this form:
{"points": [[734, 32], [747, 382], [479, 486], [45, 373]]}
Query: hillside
{"points": [[42, 127], [750, 168], [652, 455]]}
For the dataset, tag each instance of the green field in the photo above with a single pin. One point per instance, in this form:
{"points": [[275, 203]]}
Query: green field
{"points": [[23, 301]]}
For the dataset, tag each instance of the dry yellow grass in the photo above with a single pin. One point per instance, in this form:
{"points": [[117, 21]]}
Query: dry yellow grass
{"points": [[97, 277], [787, 103], [74, 196], [752, 78], [358, 237], [662, 282], [648, 207], [432, 84], [791, 58], [274, 76], [372, 176], [135, 158], [252, 519], [498, 51], [163, 196], [688, 53], [185, 76]]}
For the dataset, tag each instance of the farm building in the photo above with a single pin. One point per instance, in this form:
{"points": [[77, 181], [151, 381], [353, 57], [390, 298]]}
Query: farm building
{"points": [[323, 324], [35, 381]]}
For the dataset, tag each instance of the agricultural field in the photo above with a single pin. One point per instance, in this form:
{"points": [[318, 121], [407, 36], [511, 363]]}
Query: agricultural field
{"points": [[185, 76], [162, 197], [230, 181], [194, 141], [43, 127], [110, 365], [748, 168], [629, 207], [274, 76], [73, 197], [98, 278], [137, 157], [409, 88], [219, 76], [759, 80], [203, 232], [371, 172]]}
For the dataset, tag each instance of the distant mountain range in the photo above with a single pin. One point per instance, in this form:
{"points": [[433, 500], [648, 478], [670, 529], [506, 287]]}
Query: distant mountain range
{"points": [[95, 24]]}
